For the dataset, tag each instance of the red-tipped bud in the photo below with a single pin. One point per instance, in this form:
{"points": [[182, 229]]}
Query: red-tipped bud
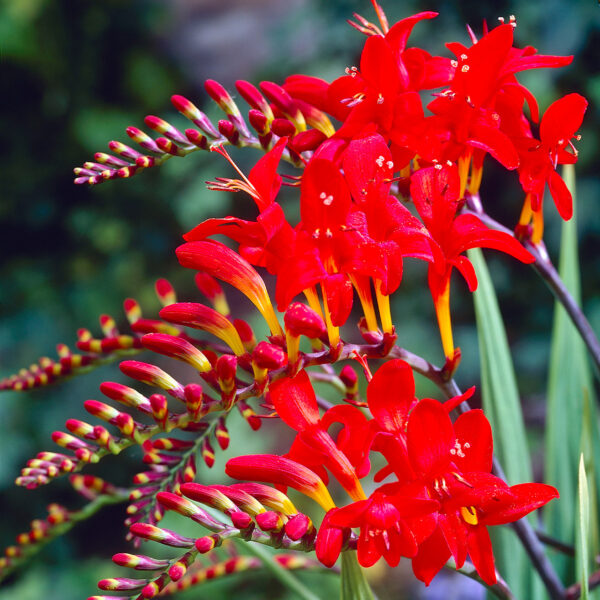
{"points": [[283, 127], [145, 162], [218, 260], [269, 521], [163, 536], [164, 128], [249, 415], [177, 347], [222, 434], [221, 96], [308, 140], [259, 122], [350, 380], [132, 310], [177, 571], [108, 326], [165, 292], [225, 369], [241, 520], [185, 107], [125, 395], [298, 526], [300, 319], [152, 375], [160, 408], [196, 138], [109, 159], [228, 130], [279, 470], [189, 472], [254, 98], [207, 543], [188, 509], [101, 410], [246, 334], [143, 139], [268, 356], [139, 562], [194, 400], [330, 541], [169, 147], [208, 453], [123, 150], [119, 584], [284, 102], [202, 317]]}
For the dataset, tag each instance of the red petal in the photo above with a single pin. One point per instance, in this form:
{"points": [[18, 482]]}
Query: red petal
{"points": [[399, 33], [391, 394], [366, 165], [480, 551], [430, 437], [485, 60], [324, 200], [523, 499], [496, 143], [379, 67], [561, 195], [432, 556], [562, 119], [455, 533], [470, 232], [264, 177], [351, 515], [339, 293], [295, 401], [474, 429]]}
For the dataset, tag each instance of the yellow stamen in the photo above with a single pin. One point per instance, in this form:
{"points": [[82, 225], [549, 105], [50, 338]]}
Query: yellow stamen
{"points": [[469, 514]]}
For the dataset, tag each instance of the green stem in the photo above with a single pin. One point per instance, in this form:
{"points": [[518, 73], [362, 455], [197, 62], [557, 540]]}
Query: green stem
{"points": [[85, 513]]}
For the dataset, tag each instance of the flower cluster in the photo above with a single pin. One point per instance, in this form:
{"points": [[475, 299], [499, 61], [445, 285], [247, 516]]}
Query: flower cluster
{"points": [[387, 182], [443, 496]]}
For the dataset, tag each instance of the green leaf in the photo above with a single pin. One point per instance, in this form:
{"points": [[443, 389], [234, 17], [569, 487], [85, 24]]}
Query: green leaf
{"points": [[582, 547], [354, 584], [569, 382], [502, 406]]}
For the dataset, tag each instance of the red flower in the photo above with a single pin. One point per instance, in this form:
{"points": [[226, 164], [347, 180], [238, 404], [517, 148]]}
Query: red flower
{"points": [[539, 160], [436, 194], [454, 462], [384, 529]]}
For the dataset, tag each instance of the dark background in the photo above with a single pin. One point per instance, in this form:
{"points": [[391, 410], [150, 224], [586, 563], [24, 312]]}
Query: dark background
{"points": [[75, 73]]}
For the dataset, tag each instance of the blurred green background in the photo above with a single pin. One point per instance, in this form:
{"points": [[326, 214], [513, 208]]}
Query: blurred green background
{"points": [[75, 73]]}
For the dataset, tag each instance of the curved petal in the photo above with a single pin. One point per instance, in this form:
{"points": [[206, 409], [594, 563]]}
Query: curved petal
{"points": [[295, 401], [474, 439], [482, 556], [430, 436], [391, 394]]}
